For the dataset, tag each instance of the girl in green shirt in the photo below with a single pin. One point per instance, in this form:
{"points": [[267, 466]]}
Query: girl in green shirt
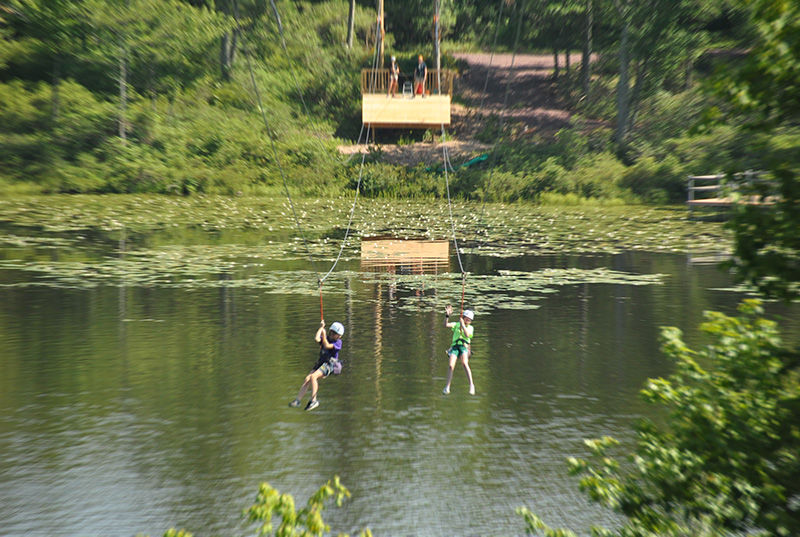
{"points": [[462, 335]]}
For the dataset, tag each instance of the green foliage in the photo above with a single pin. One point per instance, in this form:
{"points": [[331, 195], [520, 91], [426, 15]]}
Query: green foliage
{"points": [[188, 129], [305, 522], [193, 124], [656, 182], [726, 461], [387, 180], [767, 86], [767, 247]]}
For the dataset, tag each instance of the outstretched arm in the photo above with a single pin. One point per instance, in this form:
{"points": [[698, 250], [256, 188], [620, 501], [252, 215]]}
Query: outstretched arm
{"points": [[448, 310]]}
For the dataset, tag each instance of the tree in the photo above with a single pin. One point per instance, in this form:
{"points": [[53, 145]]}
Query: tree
{"points": [[154, 34], [767, 244], [727, 460], [657, 39], [52, 27]]}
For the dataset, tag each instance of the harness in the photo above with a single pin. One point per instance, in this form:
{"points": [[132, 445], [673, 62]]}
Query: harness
{"points": [[460, 341], [325, 356]]}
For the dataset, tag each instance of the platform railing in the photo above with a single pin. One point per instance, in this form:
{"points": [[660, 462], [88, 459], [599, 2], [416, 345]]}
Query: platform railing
{"points": [[722, 191], [377, 81]]}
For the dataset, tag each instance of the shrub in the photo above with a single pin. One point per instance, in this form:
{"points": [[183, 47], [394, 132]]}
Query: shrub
{"points": [[656, 182], [596, 176]]}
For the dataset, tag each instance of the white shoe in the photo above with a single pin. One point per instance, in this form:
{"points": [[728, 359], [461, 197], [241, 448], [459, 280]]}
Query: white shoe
{"points": [[472, 389], [446, 390]]}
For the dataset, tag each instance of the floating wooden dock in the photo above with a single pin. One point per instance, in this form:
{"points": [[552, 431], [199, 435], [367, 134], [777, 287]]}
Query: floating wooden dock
{"points": [[713, 191], [705, 185]]}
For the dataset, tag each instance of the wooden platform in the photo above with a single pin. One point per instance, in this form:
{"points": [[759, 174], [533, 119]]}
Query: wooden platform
{"points": [[709, 190], [405, 112], [727, 202]]}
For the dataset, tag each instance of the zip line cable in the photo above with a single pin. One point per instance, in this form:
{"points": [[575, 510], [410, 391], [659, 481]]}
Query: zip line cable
{"points": [[272, 141], [488, 73], [445, 152], [300, 92], [502, 123], [446, 160], [320, 280], [491, 57]]}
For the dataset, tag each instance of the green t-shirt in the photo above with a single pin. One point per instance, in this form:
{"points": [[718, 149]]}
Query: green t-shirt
{"points": [[458, 334]]}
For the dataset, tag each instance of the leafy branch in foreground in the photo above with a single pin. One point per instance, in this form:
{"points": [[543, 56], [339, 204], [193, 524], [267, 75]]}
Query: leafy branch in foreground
{"points": [[728, 460], [306, 522]]}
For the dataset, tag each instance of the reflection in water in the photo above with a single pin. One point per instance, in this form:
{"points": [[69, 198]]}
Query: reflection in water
{"points": [[393, 255], [405, 256], [140, 408]]}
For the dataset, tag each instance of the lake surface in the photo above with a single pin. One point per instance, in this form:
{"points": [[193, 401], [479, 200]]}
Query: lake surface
{"points": [[149, 348]]}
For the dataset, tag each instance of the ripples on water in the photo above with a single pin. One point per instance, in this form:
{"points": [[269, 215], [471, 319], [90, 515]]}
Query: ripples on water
{"points": [[126, 410]]}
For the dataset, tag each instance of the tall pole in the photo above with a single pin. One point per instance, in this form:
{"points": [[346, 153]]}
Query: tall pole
{"points": [[381, 30], [436, 47]]}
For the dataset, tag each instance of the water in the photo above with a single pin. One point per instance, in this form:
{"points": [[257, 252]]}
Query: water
{"points": [[135, 408]]}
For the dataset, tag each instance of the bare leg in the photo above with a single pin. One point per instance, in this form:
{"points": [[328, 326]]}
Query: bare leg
{"points": [[465, 363], [305, 386], [450, 368], [315, 376]]}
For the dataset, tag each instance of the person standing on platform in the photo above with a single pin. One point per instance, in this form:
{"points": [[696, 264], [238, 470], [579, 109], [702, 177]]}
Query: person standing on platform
{"points": [[394, 76], [420, 76]]}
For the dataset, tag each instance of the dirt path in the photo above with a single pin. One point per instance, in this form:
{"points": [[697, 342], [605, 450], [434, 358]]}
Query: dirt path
{"points": [[532, 100], [532, 104]]}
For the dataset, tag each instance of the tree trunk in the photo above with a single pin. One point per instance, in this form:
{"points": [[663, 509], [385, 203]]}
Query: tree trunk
{"points": [[351, 22], [586, 69], [623, 87], [641, 75], [555, 64], [224, 46], [152, 84], [55, 98], [123, 92], [688, 73], [566, 62], [227, 53]]}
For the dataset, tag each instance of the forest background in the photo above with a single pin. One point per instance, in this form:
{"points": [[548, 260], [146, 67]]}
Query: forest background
{"points": [[155, 96]]}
